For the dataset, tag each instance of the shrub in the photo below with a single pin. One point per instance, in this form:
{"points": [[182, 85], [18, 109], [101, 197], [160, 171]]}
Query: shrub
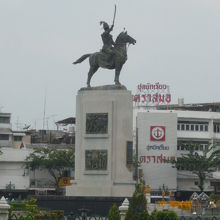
{"points": [[57, 214], [31, 206], [163, 215], [17, 205], [27, 208], [154, 214], [214, 197], [114, 213]]}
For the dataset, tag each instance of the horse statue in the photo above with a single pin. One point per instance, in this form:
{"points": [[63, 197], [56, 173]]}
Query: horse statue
{"points": [[109, 61]]}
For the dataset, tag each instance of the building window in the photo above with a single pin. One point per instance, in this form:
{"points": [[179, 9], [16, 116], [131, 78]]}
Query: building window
{"points": [[182, 147], [216, 127], [181, 168], [197, 146], [4, 137], [17, 138], [178, 127], [4, 120], [201, 127], [67, 173], [192, 126], [129, 153]]}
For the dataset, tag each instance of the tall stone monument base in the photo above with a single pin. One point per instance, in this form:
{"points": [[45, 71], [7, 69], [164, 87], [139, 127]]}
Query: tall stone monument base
{"points": [[103, 157]]}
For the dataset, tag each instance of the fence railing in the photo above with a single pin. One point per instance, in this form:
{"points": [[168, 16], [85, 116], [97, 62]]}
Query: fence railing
{"points": [[20, 217], [95, 217], [79, 217], [68, 217]]}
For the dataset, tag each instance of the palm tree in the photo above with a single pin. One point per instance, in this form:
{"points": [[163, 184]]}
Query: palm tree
{"points": [[199, 164]]}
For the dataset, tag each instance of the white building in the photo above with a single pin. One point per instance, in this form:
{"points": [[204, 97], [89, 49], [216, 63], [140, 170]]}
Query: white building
{"points": [[13, 175], [9, 138], [15, 179], [181, 127], [5, 129]]}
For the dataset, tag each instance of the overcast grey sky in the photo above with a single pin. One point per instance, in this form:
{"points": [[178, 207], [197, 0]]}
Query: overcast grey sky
{"points": [[177, 44]]}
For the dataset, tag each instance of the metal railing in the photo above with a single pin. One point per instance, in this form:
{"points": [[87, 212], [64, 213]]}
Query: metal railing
{"points": [[68, 217], [96, 217]]}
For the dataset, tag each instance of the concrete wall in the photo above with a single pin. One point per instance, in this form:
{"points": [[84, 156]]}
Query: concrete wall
{"points": [[12, 168]]}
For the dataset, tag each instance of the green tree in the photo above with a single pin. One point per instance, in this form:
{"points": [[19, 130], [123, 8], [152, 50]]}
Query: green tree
{"points": [[199, 163], [138, 205], [114, 213], [56, 161]]}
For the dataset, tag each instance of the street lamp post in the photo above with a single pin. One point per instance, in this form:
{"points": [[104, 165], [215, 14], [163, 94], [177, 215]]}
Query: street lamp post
{"points": [[163, 190], [9, 188]]}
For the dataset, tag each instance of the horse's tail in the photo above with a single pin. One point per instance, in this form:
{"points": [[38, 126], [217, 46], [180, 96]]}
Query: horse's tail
{"points": [[82, 58]]}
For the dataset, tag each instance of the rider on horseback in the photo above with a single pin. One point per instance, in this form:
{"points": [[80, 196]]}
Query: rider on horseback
{"points": [[113, 55], [107, 39]]}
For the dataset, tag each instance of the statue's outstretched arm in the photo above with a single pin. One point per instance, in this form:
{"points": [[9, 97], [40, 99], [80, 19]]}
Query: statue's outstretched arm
{"points": [[111, 28]]}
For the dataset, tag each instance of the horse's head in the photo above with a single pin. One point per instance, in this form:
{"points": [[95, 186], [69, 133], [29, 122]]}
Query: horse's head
{"points": [[124, 38]]}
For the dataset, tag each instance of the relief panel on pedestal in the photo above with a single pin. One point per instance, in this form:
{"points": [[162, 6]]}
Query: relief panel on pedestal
{"points": [[96, 159], [96, 123]]}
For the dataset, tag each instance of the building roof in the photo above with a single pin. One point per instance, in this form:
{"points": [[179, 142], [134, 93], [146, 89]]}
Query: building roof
{"points": [[5, 131], [4, 114], [70, 120], [209, 107]]}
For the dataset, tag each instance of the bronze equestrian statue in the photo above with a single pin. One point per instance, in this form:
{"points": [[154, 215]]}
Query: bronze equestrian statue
{"points": [[113, 55]]}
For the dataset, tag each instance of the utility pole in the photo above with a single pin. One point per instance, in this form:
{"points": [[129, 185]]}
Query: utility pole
{"points": [[136, 156], [44, 109]]}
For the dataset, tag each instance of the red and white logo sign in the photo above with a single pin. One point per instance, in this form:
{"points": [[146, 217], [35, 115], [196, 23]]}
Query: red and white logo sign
{"points": [[157, 133]]}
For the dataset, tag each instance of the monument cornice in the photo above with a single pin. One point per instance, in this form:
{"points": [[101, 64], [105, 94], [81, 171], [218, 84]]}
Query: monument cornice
{"points": [[105, 87]]}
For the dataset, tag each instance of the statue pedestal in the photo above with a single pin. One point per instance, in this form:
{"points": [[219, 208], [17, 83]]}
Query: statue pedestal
{"points": [[103, 153]]}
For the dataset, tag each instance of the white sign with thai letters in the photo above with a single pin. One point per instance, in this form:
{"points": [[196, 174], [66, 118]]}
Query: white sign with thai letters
{"points": [[157, 143]]}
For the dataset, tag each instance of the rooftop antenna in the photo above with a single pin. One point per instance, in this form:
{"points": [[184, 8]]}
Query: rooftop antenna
{"points": [[1, 107], [45, 96], [17, 123]]}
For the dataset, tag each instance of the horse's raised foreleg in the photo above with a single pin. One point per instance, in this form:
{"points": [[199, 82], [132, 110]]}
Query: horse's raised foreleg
{"points": [[117, 73], [92, 70]]}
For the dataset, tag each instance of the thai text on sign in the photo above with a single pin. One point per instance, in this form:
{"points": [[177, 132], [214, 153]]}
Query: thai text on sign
{"points": [[155, 159], [152, 94], [157, 147]]}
